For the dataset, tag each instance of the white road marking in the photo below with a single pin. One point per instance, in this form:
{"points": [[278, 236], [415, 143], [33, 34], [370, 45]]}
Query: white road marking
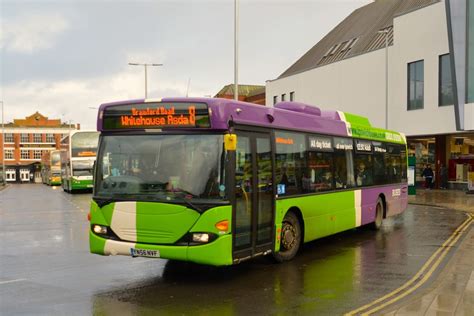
{"points": [[12, 281]]}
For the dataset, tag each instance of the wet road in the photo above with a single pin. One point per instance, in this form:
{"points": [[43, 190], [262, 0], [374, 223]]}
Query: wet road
{"points": [[46, 268]]}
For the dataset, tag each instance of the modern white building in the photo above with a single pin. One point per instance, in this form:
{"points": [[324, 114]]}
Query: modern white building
{"points": [[390, 61]]}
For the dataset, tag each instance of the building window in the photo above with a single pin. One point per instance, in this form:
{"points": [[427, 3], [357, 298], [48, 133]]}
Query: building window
{"points": [[37, 154], [25, 154], [415, 85], [275, 99], [283, 97], [470, 52], [10, 174], [9, 154], [292, 96], [445, 88], [9, 138], [24, 138], [50, 138], [37, 138]]}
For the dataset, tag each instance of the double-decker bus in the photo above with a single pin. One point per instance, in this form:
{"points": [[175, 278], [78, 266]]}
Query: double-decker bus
{"points": [[217, 181], [51, 167], [77, 160]]}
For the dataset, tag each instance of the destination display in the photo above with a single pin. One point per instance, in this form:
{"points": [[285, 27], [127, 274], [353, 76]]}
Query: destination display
{"points": [[343, 143], [379, 147], [156, 115], [363, 146], [320, 143]]}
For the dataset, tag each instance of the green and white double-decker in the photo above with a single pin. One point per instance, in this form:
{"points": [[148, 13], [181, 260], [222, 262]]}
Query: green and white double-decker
{"points": [[77, 160], [51, 167]]}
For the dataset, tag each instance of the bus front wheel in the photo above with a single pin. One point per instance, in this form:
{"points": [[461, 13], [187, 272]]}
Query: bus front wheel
{"points": [[290, 239], [379, 210]]}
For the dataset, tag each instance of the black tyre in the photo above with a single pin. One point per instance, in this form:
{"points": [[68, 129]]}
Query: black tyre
{"points": [[379, 210], [290, 240]]}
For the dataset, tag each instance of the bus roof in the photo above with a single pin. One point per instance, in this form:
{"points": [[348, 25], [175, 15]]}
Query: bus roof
{"points": [[284, 115]]}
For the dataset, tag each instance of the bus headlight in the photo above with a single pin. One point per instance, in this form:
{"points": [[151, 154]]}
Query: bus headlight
{"points": [[100, 230], [200, 237]]}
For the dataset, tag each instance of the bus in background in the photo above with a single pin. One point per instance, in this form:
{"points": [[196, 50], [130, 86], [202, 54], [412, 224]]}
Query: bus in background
{"points": [[51, 167], [217, 181], [77, 160]]}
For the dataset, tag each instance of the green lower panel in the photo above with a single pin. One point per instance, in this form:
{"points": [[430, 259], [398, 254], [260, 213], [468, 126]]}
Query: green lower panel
{"points": [[82, 185], [217, 253], [96, 243], [323, 214]]}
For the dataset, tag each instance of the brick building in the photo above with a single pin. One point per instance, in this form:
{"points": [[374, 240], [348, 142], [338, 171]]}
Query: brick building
{"points": [[247, 93], [23, 143]]}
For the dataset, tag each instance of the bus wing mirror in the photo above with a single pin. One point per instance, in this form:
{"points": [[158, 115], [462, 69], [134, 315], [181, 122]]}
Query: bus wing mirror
{"points": [[230, 142]]}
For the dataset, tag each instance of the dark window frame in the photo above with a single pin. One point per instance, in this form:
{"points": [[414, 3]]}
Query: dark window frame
{"points": [[409, 106], [440, 81]]}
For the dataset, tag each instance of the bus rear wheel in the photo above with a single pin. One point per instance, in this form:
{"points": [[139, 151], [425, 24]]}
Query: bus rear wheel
{"points": [[290, 239], [379, 210]]}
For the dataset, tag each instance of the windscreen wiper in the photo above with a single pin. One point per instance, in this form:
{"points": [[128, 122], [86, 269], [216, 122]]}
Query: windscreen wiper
{"points": [[188, 203]]}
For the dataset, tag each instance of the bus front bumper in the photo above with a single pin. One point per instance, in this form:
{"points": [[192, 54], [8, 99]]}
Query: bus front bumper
{"points": [[216, 253]]}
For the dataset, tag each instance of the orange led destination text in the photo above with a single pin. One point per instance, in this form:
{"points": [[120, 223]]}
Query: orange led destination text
{"points": [[160, 116], [286, 141]]}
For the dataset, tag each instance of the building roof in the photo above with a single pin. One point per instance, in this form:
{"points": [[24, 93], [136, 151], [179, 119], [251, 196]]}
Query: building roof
{"points": [[36, 120], [359, 33], [246, 90]]}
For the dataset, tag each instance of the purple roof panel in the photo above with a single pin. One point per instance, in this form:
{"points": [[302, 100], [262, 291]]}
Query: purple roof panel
{"points": [[296, 116]]}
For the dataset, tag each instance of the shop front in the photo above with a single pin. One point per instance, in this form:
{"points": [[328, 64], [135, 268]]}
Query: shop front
{"points": [[454, 152]]}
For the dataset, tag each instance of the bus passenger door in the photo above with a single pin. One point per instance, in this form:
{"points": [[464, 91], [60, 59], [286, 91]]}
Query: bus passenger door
{"points": [[254, 197]]}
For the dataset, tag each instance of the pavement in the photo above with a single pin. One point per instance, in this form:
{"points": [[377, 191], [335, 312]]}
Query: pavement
{"points": [[452, 293]]}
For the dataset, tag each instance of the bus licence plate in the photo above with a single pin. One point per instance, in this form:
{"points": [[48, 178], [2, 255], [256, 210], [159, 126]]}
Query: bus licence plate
{"points": [[144, 253]]}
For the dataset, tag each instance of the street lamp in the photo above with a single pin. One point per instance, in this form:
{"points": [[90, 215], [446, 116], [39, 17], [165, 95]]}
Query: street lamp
{"points": [[236, 50], [3, 148], [146, 66], [385, 31]]}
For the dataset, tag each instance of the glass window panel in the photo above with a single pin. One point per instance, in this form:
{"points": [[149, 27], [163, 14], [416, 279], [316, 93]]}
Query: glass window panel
{"points": [[319, 173], [445, 81], [470, 52], [37, 138], [290, 162], [24, 138], [415, 85], [243, 193], [265, 190], [343, 169], [8, 138], [363, 172]]}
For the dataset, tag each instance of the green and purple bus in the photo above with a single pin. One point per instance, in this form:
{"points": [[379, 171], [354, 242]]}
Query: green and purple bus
{"points": [[218, 181]]}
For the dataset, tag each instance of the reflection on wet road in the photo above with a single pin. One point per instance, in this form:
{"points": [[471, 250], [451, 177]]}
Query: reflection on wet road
{"points": [[46, 267]]}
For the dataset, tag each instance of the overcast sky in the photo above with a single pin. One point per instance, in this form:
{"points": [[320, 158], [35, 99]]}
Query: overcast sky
{"points": [[63, 57]]}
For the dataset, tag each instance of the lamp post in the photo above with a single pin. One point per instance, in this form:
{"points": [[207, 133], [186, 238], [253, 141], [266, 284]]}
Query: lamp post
{"points": [[236, 50], [3, 148], [385, 31], [146, 80]]}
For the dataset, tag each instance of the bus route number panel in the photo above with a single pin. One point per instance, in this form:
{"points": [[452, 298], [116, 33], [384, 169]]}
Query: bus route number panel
{"points": [[156, 115]]}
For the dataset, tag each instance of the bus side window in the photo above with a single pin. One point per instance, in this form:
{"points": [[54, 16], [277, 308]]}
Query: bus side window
{"points": [[344, 169], [364, 172]]}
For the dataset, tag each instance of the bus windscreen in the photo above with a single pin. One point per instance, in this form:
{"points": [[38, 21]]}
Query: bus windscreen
{"points": [[84, 144]]}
